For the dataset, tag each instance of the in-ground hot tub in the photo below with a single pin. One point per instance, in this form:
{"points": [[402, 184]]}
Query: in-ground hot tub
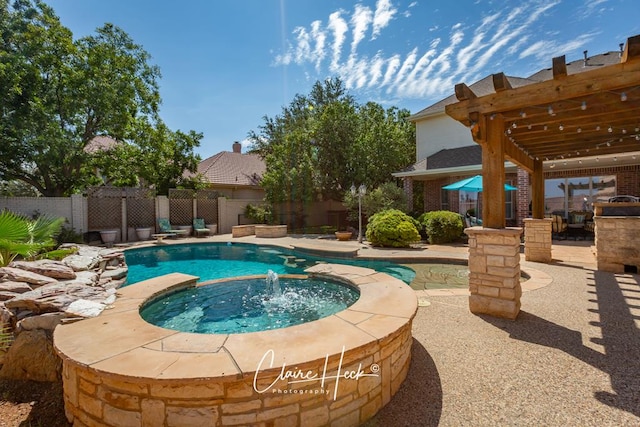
{"points": [[120, 370]]}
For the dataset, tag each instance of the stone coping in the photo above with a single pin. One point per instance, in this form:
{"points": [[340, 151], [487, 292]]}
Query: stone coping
{"points": [[119, 342]]}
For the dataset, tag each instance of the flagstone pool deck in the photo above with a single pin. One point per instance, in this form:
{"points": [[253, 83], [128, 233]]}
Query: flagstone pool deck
{"points": [[572, 357]]}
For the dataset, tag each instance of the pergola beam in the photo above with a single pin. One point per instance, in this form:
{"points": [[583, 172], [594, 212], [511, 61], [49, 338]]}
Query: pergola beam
{"points": [[610, 78], [500, 82], [559, 67]]}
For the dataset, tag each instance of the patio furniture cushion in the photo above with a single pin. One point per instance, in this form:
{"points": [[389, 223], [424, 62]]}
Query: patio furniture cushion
{"points": [[165, 227], [199, 227]]}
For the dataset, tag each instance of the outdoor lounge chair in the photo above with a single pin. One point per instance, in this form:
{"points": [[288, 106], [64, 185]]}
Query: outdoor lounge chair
{"points": [[165, 228], [199, 227]]}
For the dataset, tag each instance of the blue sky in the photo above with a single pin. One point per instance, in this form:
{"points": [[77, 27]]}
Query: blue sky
{"points": [[227, 63]]}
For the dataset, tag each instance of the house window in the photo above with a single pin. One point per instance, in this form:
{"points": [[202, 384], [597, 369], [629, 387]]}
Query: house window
{"points": [[509, 208], [444, 200], [469, 202], [563, 195]]}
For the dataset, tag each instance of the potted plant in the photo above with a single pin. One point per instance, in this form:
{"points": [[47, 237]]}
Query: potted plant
{"points": [[344, 235], [143, 233]]}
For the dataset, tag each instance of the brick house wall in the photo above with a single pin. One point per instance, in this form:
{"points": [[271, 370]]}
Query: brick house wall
{"points": [[627, 182]]}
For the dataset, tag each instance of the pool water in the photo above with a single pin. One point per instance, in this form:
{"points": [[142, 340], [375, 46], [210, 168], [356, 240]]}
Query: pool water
{"points": [[248, 305], [211, 261]]}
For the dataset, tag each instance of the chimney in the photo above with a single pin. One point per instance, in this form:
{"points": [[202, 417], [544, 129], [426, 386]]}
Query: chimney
{"points": [[237, 147], [585, 58], [621, 49]]}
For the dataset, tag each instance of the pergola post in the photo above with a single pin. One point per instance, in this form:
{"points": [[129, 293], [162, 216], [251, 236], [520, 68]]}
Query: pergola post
{"points": [[493, 212], [537, 230], [537, 190]]}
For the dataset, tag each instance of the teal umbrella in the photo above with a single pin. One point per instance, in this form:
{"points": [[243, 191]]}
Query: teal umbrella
{"points": [[473, 184]]}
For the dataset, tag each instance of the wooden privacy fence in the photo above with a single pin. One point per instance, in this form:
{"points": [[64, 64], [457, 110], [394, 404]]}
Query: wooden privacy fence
{"points": [[141, 207], [104, 206], [207, 206]]}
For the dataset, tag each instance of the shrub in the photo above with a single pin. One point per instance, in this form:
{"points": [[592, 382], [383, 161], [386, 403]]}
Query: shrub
{"points": [[392, 228], [442, 226], [259, 214]]}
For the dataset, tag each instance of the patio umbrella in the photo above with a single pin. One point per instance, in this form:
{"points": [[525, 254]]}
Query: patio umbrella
{"points": [[473, 184]]}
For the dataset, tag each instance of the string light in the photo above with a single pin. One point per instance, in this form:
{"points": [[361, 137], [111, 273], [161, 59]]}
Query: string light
{"points": [[523, 114], [610, 129], [598, 127], [550, 110], [583, 106], [623, 96], [561, 127], [514, 125]]}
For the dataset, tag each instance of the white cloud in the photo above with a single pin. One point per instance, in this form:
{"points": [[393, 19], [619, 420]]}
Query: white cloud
{"points": [[361, 19], [383, 15], [339, 28], [431, 68]]}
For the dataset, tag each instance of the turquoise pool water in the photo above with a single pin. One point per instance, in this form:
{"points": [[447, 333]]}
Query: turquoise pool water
{"points": [[211, 261], [249, 305]]}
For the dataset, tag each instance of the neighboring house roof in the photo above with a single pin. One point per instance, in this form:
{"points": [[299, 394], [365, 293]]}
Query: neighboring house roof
{"points": [[227, 168], [453, 157], [100, 143], [485, 86], [480, 88], [580, 65], [448, 158]]}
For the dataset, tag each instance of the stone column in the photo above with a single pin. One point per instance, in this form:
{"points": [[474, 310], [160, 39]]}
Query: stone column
{"points": [[537, 239], [494, 271]]}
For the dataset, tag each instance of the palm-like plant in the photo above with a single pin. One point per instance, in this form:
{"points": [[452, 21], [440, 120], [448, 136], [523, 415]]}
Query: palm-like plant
{"points": [[26, 237]]}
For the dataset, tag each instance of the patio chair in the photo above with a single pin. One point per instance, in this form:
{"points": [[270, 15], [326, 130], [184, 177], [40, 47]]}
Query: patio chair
{"points": [[199, 227], [165, 228], [558, 226]]}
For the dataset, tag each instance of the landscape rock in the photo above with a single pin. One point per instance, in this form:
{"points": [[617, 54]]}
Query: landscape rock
{"points": [[5, 315], [47, 321], [84, 308], [15, 287], [6, 295], [46, 267], [115, 273], [32, 357], [55, 297], [81, 262], [87, 278], [19, 275]]}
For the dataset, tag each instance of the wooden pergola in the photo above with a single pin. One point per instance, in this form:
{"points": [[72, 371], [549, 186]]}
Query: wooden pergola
{"points": [[592, 113]]}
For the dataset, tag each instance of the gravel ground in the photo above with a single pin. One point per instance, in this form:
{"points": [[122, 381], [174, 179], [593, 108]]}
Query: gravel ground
{"points": [[570, 359]]}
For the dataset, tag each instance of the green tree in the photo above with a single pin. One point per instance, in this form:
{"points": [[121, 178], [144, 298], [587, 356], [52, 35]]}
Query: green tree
{"points": [[384, 197], [339, 143], [58, 94], [153, 156]]}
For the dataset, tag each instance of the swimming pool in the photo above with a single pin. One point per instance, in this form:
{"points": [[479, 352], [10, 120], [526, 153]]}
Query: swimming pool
{"points": [[211, 261]]}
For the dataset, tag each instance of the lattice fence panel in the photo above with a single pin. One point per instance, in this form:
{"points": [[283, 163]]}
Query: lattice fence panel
{"points": [[181, 206], [105, 207], [141, 207], [207, 205]]}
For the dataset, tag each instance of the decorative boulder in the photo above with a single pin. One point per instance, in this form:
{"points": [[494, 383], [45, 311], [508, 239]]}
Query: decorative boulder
{"points": [[32, 357]]}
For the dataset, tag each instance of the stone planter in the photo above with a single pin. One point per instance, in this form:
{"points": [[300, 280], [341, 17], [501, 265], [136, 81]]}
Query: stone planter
{"points": [[213, 228], [343, 236], [143, 233], [108, 236]]}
